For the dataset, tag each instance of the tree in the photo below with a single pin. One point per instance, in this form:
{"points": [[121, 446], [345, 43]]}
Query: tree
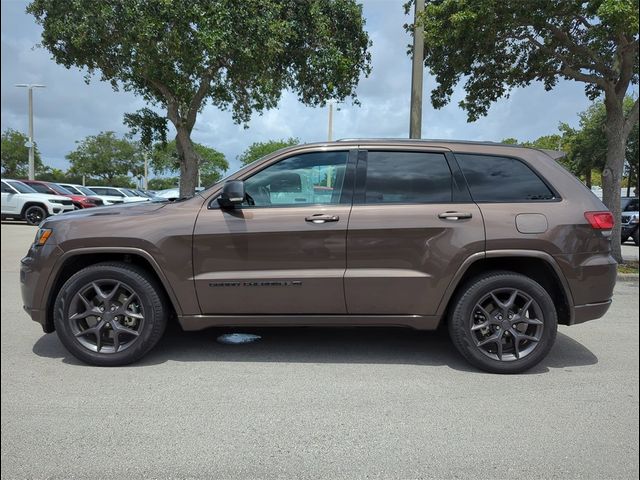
{"points": [[496, 46], [178, 55], [106, 157], [259, 149], [15, 155], [210, 163], [163, 183]]}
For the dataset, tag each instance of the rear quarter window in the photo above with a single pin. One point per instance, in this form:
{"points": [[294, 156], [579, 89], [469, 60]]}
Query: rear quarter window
{"points": [[502, 179]]}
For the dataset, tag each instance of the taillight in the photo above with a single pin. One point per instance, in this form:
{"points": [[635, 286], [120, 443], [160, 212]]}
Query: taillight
{"points": [[600, 220]]}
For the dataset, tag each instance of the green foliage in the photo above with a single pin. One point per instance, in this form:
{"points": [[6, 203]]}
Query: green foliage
{"points": [[239, 55], [151, 127], [106, 157], [163, 183], [260, 149], [212, 164], [495, 46], [58, 176], [122, 181], [15, 155]]}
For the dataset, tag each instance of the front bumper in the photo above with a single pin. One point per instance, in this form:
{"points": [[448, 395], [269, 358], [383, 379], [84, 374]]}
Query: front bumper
{"points": [[35, 272]]}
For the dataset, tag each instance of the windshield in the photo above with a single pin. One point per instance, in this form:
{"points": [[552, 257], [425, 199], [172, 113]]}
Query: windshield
{"points": [[127, 193], [85, 191], [21, 187], [59, 189], [72, 189]]}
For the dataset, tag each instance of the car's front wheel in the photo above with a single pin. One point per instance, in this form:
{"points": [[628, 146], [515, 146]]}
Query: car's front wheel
{"points": [[110, 314], [34, 214], [503, 322]]}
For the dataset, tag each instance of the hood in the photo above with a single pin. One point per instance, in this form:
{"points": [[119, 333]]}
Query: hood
{"points": [[109, 211]]}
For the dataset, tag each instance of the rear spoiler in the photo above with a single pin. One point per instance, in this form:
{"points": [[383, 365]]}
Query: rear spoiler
{"points": [[554, 154]]}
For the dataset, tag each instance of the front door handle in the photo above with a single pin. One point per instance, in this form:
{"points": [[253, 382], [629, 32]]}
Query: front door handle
{"points": [[454, 215], [322, 218]]}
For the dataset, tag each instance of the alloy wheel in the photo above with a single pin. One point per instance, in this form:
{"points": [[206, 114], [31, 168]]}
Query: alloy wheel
{"points": [[507, 324], [106, 316]]}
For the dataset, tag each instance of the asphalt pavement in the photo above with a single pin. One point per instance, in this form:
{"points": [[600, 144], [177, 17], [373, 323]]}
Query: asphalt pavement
{"points": [[317, 403]]}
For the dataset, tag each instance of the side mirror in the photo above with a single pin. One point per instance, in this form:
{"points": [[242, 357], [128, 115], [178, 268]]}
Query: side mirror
{"points": [[232, 194]]}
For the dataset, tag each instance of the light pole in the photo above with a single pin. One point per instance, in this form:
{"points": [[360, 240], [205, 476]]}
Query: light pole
{"points": [[32, 167], [417, 71], [330, 135]]}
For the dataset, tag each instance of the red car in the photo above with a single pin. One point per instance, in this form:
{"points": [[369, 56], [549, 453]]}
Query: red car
{"points": [[79, 201]]}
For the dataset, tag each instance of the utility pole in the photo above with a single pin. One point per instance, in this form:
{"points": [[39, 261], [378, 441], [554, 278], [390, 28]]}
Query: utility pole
{"points": [[330, 136], [145, 180], [32, 167], [417, 71]]}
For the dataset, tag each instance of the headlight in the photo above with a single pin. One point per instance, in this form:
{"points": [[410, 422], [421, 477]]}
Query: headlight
{"points": [[42, 236], [633, 219], [56, 201]]}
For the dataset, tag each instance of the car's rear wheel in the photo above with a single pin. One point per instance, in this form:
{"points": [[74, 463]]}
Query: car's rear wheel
{"points": [[503, 322], [34, 214], [110, 314]]}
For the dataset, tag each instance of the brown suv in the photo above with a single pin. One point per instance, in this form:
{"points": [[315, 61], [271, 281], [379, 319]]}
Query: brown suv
{"points": [[499, 242]]}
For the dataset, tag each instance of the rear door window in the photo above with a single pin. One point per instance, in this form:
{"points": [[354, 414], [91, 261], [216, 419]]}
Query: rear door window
{"points": [[502, 179], [407, 177]]}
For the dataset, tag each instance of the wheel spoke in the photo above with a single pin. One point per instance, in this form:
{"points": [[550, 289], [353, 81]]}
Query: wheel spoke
{"points": [[516, 344], [99, 292], [496, 337], [87, 331], [512, 300], [499, 348], [480, 326], [80, 316]]}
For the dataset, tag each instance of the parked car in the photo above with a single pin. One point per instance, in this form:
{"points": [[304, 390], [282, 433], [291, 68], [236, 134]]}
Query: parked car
{"points": [[498, 242], [630, 216], [50, 188], [81, 190], [21, 202], [120, 193], [169, 194]]}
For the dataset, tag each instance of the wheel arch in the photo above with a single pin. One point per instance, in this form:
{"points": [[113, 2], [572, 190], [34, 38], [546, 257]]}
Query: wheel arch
{"points": [[539, 266], [75, 260], [33, 203]]}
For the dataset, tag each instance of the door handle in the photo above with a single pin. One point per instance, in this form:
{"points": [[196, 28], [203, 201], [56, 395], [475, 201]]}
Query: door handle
{"points": [[454, 215], [322, 218]]}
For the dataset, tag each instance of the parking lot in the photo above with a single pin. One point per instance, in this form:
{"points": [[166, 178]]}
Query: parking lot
{"points": [[317, 403]]}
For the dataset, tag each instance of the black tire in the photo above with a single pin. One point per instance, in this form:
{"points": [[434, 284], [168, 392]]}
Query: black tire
{"points": [[635, 237], [465, 309], [34, 214], [152, 304]]}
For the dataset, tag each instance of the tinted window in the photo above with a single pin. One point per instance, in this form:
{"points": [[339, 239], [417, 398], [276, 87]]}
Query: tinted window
{"points": [[311, 178], [59, 189], [629, 205], [40, 188], [21, 187], [6, 189], [502, 179], [407, 177]]}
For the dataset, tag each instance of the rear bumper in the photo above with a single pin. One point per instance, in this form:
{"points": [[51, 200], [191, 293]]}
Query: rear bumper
{"points": [[591, 278], [590, 311]]}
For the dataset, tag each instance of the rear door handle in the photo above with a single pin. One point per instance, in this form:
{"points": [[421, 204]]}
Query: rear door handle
{"points": [[454, 215], [322, 218]]}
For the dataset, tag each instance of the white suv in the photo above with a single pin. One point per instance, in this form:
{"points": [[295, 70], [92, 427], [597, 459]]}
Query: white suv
{"points": [[123, 195], [80, 190], [23, 202]]}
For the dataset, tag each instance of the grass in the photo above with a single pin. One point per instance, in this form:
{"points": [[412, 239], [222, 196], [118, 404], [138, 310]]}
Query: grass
{"points": [[628, 267]]}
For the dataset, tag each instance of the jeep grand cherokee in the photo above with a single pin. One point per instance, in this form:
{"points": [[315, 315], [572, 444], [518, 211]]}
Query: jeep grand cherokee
{"points": [[498, 242]]}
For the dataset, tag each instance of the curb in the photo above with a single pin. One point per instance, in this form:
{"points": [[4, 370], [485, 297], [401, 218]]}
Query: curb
{"points": [[628, 277]]}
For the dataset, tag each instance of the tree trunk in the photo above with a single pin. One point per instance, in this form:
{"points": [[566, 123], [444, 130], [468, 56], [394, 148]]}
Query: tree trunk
{"points": [[614, 167], [587, 178], [188, 162]]}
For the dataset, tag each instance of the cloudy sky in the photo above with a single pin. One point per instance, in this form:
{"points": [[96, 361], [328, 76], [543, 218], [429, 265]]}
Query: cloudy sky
{"points": [[68, 109]]}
